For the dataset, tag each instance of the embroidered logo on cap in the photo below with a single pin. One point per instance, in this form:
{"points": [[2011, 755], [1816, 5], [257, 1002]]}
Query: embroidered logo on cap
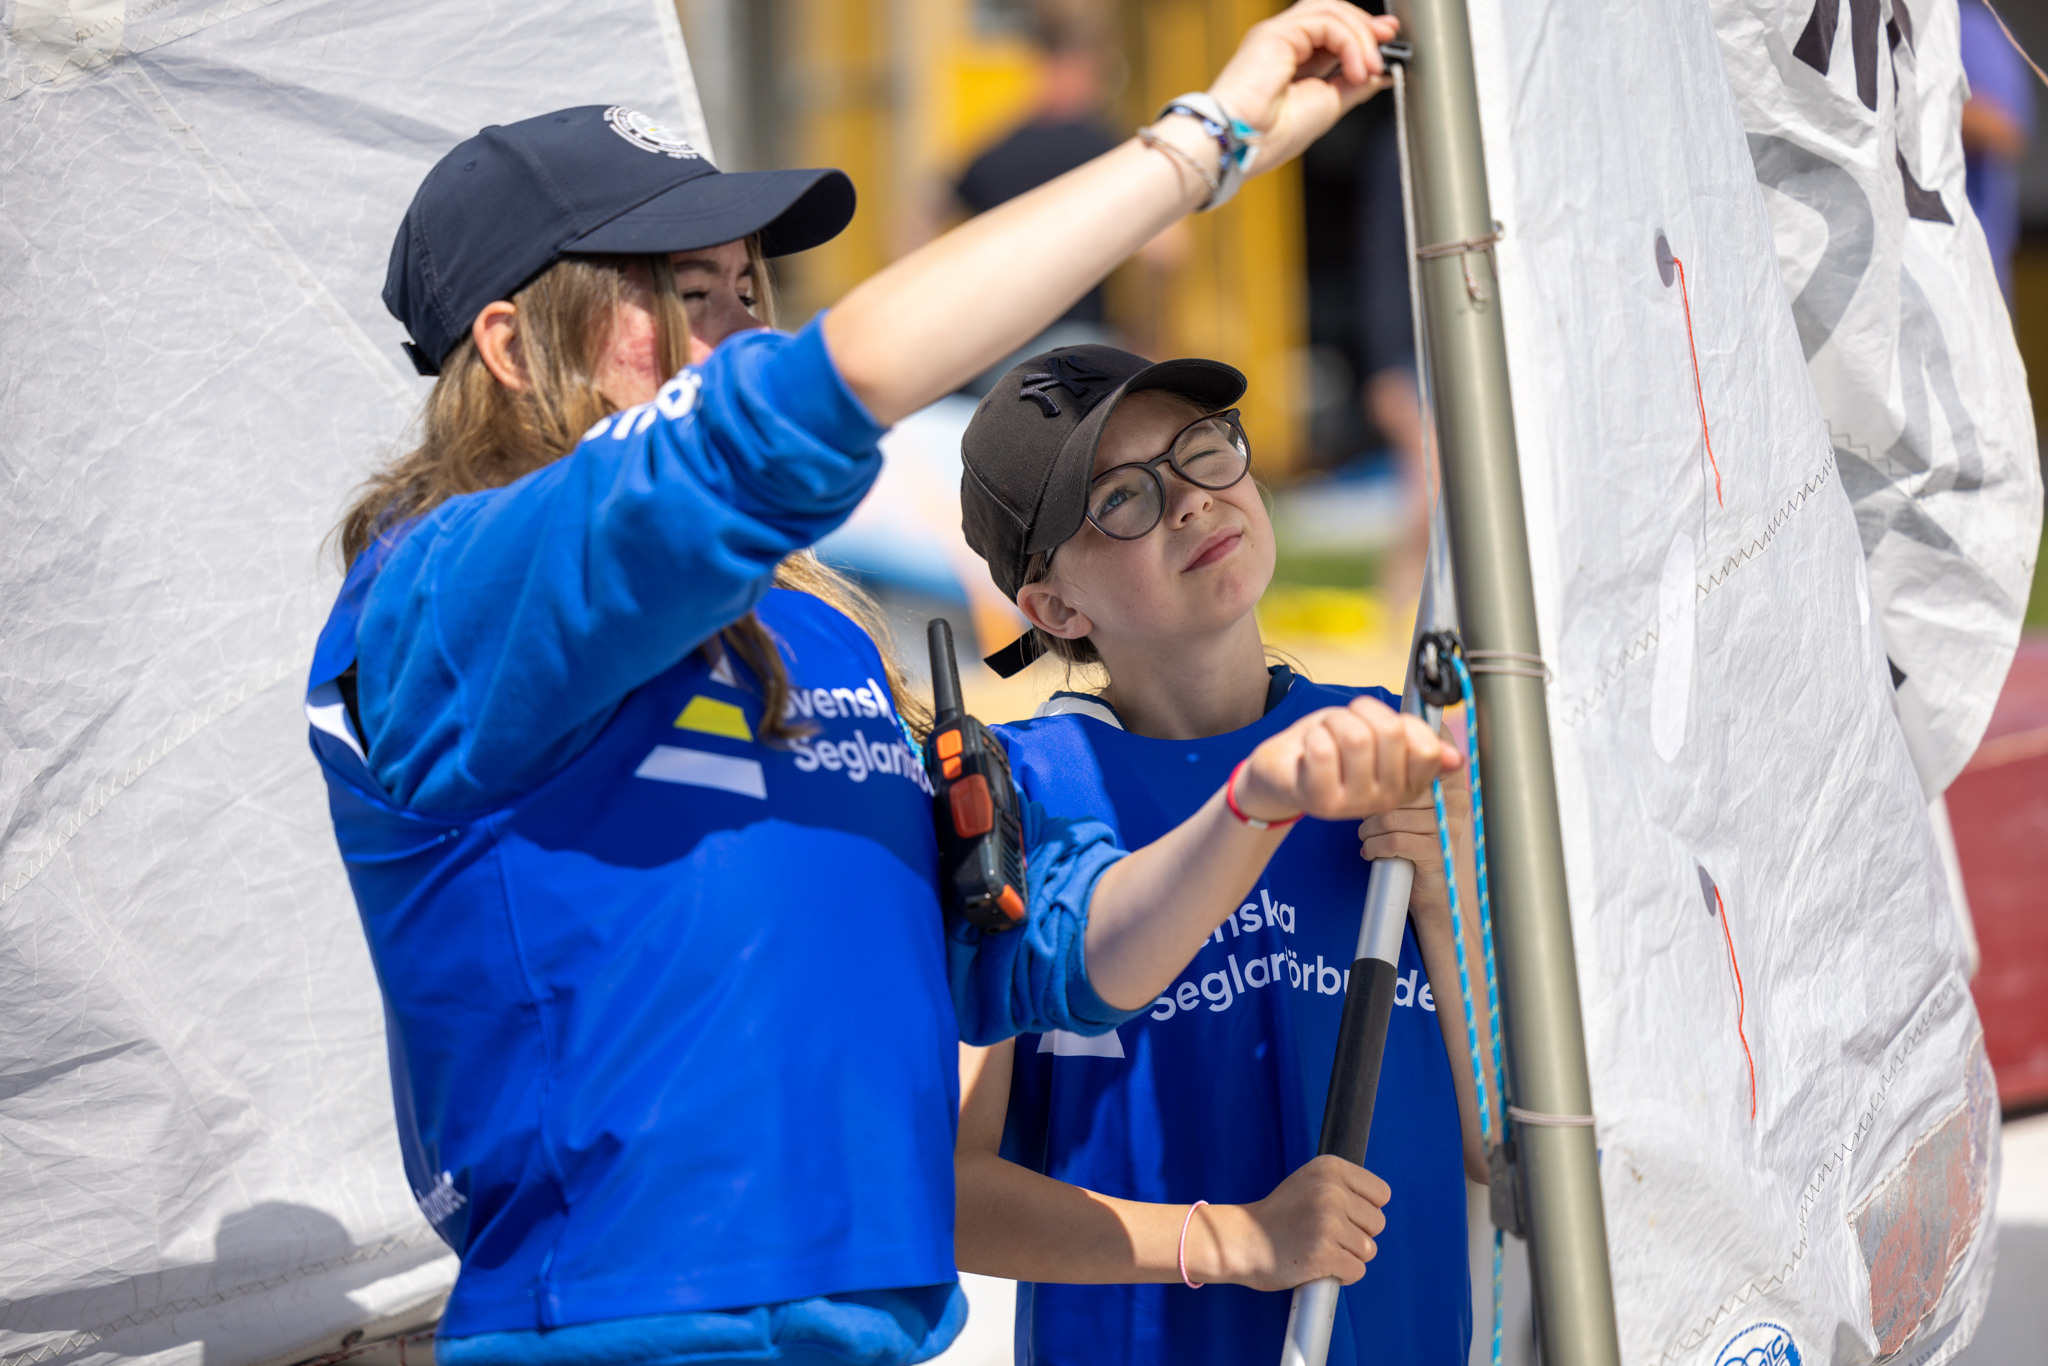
{"points": [[644, 133], [1066, 373]]}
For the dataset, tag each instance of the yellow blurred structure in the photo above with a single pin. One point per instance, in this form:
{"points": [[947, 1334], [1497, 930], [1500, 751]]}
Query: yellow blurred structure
{"points": [[901, 94]]}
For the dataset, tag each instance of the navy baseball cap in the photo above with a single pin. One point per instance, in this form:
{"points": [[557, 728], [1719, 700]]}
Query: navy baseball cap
{"points": [[1028, 454], [602, 179]]}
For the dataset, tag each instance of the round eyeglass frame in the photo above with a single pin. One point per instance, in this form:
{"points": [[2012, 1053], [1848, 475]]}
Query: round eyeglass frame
{"points": [[1230, 417]]}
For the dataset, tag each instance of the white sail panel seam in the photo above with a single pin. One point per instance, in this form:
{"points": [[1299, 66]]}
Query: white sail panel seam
{"points": [[381, 368], [1645, 643], [1931, 1013]]}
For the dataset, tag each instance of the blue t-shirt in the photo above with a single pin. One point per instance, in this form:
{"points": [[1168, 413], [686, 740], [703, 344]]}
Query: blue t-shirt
{"points": [[1217, 1092], [672, 1014]]}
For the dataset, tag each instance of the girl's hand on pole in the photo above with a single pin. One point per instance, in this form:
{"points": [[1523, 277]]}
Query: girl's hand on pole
{"points": [[1321, 1221], [1343, 763], [1409, 832], [1297, 73], [1151, 911]]}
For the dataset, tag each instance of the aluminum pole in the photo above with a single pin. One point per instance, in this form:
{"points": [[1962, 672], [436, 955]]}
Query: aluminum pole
{"points": [[1559, 1176], [1368, 1000]]}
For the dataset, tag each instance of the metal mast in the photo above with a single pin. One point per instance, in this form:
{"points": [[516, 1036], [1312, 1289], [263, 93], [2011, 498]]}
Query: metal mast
{"points": [[1557, 1172]]}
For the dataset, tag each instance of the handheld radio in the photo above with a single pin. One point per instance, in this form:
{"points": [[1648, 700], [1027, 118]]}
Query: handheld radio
{"points": [[981, 834]]}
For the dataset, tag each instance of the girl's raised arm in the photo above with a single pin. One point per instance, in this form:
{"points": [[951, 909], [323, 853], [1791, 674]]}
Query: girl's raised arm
{"points": [[948, 311]]}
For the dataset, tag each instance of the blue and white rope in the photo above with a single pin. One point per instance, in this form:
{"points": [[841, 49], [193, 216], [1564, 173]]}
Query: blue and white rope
{"points": [[1443, 834]]}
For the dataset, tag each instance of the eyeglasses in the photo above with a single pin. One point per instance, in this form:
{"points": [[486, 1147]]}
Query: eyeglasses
{"points": [[1210, 453]]}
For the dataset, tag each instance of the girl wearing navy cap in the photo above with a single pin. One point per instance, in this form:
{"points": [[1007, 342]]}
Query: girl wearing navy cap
{"points": [[1153, 1187], [629, 798]]}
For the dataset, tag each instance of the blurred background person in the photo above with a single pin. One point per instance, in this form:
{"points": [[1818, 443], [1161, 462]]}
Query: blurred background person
{"points": [[1998, 121], [1066, 128], [1069, 124]]}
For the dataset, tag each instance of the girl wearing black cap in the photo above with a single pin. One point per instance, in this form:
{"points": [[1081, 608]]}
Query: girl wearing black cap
{"points": [[1180, 1146], [632, 812]]}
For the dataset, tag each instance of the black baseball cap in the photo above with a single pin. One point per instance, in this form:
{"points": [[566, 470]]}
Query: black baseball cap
{"points": [[507, 203], [1029, 453]]}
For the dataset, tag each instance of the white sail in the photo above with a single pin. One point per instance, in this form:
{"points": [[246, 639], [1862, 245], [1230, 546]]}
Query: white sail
{"points": [[1853, 114], [1753, 877], [197, 200]]}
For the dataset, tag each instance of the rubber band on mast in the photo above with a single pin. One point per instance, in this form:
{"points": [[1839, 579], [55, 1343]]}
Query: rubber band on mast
{"points": [[1544, 1121], [1518, 665], [1464, 249]]}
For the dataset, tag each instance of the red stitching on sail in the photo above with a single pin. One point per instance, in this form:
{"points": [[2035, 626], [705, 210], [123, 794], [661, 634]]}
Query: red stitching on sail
{"points": [[1741, 1001], [1698, 390]]}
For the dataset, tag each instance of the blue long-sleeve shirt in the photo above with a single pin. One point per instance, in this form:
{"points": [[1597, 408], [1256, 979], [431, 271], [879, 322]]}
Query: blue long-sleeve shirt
{"points": [[508, 626], [672, 1012]]}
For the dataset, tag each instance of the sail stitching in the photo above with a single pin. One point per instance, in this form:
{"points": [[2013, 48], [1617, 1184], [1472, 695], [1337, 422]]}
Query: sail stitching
{"points": [[1698, 388], [1930, 1015], [1646, 643], [381, 368], [1741, 999], [396, 1243]]}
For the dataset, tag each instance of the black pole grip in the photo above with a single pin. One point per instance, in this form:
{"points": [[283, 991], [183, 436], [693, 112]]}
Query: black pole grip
{"points": [[945, 671], [1361, 1045]]}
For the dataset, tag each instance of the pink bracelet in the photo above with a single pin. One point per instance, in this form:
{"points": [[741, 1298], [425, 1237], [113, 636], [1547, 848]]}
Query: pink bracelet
{"points": [[1192, 1285], [1230, 800]]}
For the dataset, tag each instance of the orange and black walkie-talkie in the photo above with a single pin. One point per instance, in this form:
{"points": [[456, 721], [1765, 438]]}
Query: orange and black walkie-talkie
{"points": [[981, 832]]}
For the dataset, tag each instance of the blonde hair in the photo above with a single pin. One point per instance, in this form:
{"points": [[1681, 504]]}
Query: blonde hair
{"points": [[476, 434], [1075, 654]]}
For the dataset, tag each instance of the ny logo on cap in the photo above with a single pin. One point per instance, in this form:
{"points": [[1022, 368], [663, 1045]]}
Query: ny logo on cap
{"points": [[1067, 373]]}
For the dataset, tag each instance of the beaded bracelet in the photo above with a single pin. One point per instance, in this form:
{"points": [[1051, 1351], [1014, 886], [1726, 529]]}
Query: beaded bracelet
{"points": [[1237, 142]]}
